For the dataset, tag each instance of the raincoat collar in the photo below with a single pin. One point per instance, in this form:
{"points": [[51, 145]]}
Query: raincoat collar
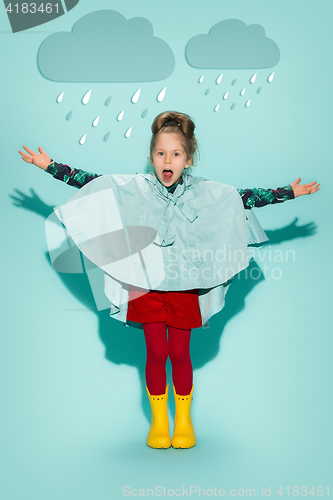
{"points": [[188, 180], [174, 200]]}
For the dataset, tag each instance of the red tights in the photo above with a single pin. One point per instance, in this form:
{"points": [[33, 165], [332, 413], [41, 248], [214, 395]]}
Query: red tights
{"points": [[159, 347]]}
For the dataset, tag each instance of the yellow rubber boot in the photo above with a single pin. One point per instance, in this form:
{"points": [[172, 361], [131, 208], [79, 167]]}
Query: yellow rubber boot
{"points": [[159, 436], [183, 436]]}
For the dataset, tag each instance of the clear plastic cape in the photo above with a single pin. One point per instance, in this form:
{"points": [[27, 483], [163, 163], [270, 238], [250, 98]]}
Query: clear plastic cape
{"points": [[143, 236]]}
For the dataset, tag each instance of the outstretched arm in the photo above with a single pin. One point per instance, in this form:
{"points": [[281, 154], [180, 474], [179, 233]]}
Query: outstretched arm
{"points": [[259, 197], [74, 177]]}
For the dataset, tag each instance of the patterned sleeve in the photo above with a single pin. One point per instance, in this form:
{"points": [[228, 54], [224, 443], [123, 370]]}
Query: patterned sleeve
{"points": [[72, 176], [259, 197]]}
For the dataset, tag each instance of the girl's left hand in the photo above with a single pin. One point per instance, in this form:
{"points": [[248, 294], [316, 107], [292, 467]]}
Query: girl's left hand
{"points": [[299, 190]]}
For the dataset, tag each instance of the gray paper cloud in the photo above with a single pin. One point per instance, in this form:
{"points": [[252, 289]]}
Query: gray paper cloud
{"points": [[106, 47], [231, 44]]}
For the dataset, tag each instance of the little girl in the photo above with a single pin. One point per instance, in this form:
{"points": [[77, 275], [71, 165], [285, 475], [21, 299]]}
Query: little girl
{"points": [[169, 244]]}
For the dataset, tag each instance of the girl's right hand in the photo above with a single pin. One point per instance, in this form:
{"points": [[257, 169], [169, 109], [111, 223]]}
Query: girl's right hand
{"points": [[41, 160]]}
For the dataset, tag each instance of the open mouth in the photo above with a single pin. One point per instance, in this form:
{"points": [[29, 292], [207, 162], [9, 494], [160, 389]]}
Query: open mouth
{"points": [[167, 174]]}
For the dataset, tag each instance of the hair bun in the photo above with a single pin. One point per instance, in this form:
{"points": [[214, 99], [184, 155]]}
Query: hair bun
{"points": [[174, 119], [171, 123]]}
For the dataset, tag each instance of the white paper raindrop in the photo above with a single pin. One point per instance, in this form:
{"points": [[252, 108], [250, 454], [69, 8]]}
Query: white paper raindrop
{"points": [[83, 139], [107, 136], [60, 96], [242, 92], [128, 132], [248, 103], [216, 107], [136, 96], [95, 122], [225, 95], [69, 116], [86, 97], [201, 79], [270, 78], [253, 78], [120, 116], [219, 79], [161, 95]]}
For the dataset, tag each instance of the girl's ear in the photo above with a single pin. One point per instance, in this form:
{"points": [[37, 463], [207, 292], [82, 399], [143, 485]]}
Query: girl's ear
{"points": [[188, 163]]}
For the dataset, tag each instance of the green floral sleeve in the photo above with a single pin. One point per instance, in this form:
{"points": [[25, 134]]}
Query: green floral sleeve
{"points": [[72, 176], [259, 197]]}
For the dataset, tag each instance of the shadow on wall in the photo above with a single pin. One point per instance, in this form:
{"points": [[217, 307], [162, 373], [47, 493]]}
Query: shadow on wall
{"points": [[126, 345]]}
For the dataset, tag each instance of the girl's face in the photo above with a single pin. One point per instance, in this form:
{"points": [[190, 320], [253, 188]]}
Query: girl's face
{"points": [[169, 158]]}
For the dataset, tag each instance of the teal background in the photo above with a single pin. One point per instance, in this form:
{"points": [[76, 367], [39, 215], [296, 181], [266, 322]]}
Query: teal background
{"points": [[75, 413]]}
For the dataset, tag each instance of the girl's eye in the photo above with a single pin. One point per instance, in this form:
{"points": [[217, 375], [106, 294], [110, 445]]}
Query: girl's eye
{"points": [[177, 154], [160, 153]]}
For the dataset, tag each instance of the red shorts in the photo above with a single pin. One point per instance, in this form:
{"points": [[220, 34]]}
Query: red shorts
{"points": [[177, 309]]}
